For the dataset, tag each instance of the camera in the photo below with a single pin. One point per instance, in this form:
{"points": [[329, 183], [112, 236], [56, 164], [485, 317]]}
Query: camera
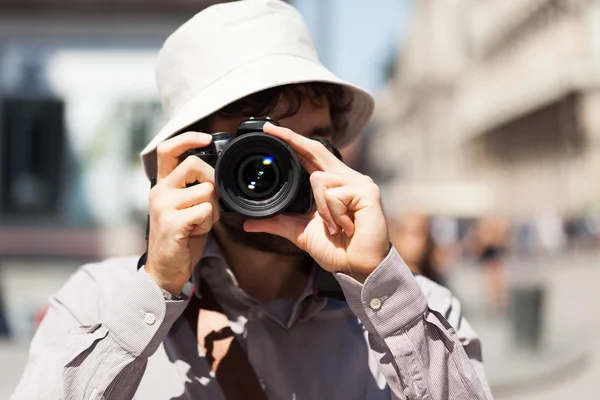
{"points": [[256, 175]]}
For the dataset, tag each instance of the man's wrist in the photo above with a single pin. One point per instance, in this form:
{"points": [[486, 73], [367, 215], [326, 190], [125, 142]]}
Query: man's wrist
{"points": [[359, 276], [173, 287], [361, 273]]}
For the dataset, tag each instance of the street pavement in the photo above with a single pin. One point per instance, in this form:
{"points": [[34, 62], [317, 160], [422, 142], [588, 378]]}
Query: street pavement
{"points": [[566, 364]]}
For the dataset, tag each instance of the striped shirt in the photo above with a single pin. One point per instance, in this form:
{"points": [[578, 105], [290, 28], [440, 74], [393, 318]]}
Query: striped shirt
{"points": [[110, 334]]}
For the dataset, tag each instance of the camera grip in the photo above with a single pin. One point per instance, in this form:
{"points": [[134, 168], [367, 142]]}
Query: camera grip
{"points": [[210, 153], [207, 158]]}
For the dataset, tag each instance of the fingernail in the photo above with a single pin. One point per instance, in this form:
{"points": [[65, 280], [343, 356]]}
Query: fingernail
{"points": [[248, 226], [267, 123], [204, 136], [331, 229]]}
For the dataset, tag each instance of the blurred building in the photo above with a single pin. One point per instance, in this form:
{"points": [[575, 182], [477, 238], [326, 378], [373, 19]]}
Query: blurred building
{"points": [[77, 103], [491, 107]]}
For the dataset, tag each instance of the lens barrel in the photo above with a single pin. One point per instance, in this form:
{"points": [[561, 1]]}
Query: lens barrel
{"points": [[257, 175]]}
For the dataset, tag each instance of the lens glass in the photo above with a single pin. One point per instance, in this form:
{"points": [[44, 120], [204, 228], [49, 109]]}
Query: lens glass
{"points": [[258, 176]]}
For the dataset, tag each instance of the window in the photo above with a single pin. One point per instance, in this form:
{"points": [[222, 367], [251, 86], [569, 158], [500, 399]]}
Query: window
{"points": [[32, 143]]}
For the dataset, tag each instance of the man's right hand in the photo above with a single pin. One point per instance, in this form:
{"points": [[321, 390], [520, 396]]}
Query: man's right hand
{"points": [[180, 216]]}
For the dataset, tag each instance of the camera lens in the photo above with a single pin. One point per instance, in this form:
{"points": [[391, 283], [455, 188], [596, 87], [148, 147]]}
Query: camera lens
{"points": [[258, 176]]}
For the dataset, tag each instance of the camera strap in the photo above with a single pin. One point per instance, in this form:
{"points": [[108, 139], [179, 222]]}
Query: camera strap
{"points": [[231, 367], [223, 351]]}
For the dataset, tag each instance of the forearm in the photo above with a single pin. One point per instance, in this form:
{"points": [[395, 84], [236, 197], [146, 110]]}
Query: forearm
{"points": [[431, 363], [105, 370], [83, 364], [73, 359], [418, 351]]}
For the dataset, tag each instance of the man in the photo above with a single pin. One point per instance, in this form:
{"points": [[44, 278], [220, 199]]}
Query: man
{"points": [[116, 332]]}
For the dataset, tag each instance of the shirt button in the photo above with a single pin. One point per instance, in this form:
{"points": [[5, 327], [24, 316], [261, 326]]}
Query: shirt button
{"points": [[149, 318], [375, 303]]}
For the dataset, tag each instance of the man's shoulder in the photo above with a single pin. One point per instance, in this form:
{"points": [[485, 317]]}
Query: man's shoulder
{"points": [[441, 299], [102, 276], [438, 297], [432, 289], [87, 293]]}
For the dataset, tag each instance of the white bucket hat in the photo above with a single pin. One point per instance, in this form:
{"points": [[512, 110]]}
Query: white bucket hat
{"points": [[229, 51]]}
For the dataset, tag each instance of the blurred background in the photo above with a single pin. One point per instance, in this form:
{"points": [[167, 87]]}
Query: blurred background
{"points": [[485, 143]]}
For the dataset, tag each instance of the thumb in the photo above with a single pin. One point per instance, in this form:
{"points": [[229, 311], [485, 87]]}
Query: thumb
{"points": [[287, 226]]}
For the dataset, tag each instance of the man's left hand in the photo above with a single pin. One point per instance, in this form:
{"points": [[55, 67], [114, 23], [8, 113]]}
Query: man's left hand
{"points": [[348, 231]]}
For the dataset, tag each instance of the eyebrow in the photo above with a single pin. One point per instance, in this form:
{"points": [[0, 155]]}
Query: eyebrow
{"points": [[322, 131]]}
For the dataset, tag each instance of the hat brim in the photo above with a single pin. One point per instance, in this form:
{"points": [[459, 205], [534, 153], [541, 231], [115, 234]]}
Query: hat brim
{"points": [[255, 76]]}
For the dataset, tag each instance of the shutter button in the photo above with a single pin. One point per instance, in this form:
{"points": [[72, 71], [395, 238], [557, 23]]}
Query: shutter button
{"points": [[149, 318], [375, 303]]}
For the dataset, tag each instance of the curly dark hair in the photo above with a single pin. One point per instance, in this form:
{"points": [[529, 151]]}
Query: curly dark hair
{"points": [[264, 103]]}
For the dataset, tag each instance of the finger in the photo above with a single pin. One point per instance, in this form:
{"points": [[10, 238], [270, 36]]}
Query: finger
{"points": [[338, 202], [198, 194], [313, 155], [191, 170], [180, 199], [290, 227], [193, 195], [318, 181], [169, 151], [322, 181], [198, 219]]}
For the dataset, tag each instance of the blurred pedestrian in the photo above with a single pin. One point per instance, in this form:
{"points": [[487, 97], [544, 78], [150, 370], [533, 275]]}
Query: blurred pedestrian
{"points": [[488, 240], [412, 234]]}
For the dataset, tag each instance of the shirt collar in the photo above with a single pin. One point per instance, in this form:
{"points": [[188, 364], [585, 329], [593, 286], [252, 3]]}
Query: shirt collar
{"points": [[214, 269]]}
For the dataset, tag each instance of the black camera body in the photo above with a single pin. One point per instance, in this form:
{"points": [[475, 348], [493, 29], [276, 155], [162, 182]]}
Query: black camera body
{"points": [[257, 175]]}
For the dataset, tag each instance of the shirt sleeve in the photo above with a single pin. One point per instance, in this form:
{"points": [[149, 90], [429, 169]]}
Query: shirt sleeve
{"points": [[92, 355], [418, 350]]}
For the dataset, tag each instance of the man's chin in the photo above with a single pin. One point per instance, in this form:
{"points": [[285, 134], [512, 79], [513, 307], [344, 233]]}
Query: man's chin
{"points": [[233, 225]]}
